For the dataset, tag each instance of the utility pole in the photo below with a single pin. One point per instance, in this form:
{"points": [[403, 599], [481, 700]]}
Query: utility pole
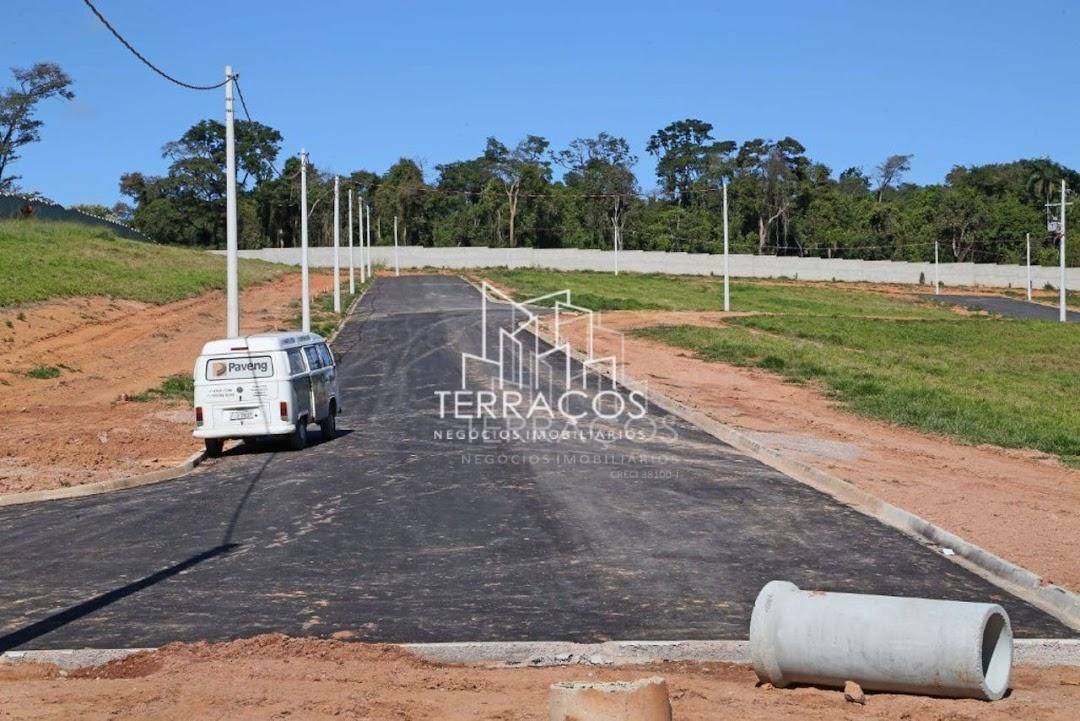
{"points": [[360, 230], [232, 263], [1059, 227], [616, 248], [397, 266], [727, 267], [337, 244], [368, 223], [305, 292], [1063, 313], [1028, 239], [937, 272], [352, 266]]}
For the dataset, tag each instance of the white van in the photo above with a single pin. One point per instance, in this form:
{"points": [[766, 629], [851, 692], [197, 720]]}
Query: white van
{"points": [[268, 384]]}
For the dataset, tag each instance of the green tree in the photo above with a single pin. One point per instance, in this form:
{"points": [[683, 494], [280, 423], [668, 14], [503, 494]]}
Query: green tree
{"points": [[512, 166], [18, 126]]}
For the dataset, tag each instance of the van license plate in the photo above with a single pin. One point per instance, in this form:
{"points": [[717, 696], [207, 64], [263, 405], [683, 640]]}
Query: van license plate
{"points": [[242, 415]]}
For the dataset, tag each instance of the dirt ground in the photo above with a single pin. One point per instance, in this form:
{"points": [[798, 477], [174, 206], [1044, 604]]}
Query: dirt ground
{"points": [[275, 677], [1021, 505], [77, 428]]}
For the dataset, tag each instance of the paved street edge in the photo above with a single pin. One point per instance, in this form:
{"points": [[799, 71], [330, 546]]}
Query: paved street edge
{"points": [[1059, 602], [535, 654]]}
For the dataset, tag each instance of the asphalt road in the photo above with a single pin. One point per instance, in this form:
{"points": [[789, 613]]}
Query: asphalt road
{"points": [[392, 533], [1008, 307]]}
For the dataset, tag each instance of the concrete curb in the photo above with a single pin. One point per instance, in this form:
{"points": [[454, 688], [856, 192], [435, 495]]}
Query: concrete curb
{"points": [[93, 489], [1059, 602], [1026, 652]]}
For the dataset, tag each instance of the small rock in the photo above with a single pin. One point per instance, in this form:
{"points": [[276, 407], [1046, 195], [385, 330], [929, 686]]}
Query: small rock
{"points": [[853, 693], [597, 660], [563, 657], [103, 437], [948, 552]]}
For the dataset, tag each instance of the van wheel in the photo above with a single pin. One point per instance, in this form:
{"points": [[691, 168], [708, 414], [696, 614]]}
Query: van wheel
{"points": [[214, 446], [328, 425], [298, 438]]}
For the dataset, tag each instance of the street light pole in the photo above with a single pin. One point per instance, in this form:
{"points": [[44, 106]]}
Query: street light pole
{"points": [[337, 244], [232, 263], [352, 265], [360, 230], [368, 224], [1062, 313], [1027, 237], [305, 291], [727, 267], [397, 265]]}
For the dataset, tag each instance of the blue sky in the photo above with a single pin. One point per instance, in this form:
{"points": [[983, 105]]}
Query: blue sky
{"points": [[361, 84]]}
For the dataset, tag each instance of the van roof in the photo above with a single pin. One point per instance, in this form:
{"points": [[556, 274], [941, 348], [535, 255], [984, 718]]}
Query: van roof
{"points": [[261, 342]]}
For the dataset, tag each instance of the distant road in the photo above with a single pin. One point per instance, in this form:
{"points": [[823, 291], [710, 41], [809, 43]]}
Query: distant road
{"points": [[1008, 307]]}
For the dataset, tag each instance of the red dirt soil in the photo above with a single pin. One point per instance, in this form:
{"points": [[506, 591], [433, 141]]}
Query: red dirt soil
{"points": [[77, 428], [274, 677], [1022, 505]]}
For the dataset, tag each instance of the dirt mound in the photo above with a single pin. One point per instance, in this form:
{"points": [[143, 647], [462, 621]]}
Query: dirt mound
{"points": [[71, 424], [277, 676]]}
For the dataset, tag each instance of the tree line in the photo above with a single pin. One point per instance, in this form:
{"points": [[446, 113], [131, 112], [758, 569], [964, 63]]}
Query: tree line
{"points": [[527, 193]]}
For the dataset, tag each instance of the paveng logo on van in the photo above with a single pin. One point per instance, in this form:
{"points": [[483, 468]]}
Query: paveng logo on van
{"points": [[230, 368], [539, 390]]}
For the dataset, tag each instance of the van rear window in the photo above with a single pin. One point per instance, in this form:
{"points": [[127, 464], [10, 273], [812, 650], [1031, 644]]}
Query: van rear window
{"points": [[225, 369]]}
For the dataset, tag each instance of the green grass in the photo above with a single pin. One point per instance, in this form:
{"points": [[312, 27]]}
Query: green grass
{"points": [[179, 387], [43, 372], [914, 363], [634, 291], [324, 320], [979, 380], [40, 260]]}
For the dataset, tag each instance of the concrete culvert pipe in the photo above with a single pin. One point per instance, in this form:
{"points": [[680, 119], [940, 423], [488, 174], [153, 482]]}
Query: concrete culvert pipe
{"points": [[884, 643]]}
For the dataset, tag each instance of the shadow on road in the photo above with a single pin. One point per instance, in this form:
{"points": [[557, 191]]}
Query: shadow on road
{"points": [[81, 610]]}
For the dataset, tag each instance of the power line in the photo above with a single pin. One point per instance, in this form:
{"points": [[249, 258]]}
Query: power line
{"points": [[146, 62]]}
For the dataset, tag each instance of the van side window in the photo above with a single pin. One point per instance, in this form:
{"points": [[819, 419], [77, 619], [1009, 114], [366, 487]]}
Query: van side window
{"points": [[324, 354], [296, 362], [313, 360]]}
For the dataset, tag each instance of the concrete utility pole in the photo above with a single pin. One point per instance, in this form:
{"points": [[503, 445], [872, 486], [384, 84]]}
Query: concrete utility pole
{"points": [[368, 222], [616, 249], [360, 230], [727, 267], [937, 272], [337, 245], [1028, 239], [352, 266], [305, 292], [232, 263], [397, 266], [1063, 313]]}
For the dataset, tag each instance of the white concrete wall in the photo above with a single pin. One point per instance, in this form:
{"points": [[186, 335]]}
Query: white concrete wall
{"points": [[642, 261]]}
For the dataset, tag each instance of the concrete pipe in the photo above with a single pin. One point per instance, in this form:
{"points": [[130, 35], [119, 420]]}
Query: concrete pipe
{"points": [[884, 643], [642, 700]]}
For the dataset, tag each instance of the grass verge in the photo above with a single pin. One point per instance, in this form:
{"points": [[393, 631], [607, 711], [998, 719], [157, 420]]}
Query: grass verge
{"points": [[976, 379], [323, 318], [42, 259], [635, 291], [979, 380]]}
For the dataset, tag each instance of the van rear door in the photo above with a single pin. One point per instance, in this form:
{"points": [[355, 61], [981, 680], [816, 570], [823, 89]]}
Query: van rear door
{"points": [[239, 389]]}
